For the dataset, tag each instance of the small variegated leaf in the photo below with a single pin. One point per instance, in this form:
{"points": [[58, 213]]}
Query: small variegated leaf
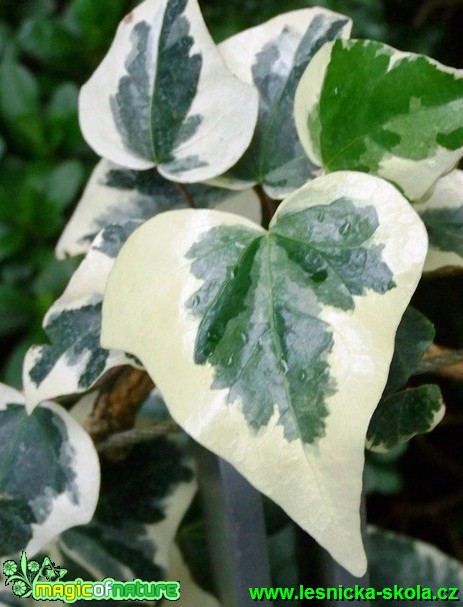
{"points": [[116, 195], [143, 500], [273, 57], [442, 214], [362, 105], [399, 561], [74, 360], [262, 342], [49, 474], [414, 336], [402, 415], [163, 96]]}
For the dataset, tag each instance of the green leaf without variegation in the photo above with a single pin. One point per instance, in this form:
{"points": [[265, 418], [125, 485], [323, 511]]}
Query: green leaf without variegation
{"points": [[276, 335], [115, 195], [402, 415], [364, 106], [273, 56], [74, 361], [309, 258], [143, 499], [44, 458], [402, 562], [442, 214], [414, 335], [163, 96]]}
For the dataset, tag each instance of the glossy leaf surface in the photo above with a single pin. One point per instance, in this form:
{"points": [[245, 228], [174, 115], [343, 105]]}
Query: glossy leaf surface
{"points": [[49, 474], [362, 105], [275, 334], [272, 57], [163, 96]]}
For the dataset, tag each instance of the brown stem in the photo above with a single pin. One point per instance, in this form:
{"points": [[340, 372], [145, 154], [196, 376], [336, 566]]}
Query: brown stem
{"points": [[132, 437], [118, 403], [186, 194], [443, 361], [267, 205]]}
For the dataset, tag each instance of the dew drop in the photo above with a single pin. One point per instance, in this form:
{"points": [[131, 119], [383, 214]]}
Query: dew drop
{"points": [[196, 301], [284, 366], [230, 360], [302, 375], [244, 338], [321, 216], [320, 276], [345, 228]]}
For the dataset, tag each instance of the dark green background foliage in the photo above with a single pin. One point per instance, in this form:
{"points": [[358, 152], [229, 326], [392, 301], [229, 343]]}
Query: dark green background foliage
{"points": [[48, 48]]}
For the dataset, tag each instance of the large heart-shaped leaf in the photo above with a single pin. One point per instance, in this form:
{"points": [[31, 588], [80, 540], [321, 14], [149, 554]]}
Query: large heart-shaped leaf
{"points": [[442, 214], [266, 345], [365, 106], [49, 474], [116, 195], [163, 96], [273, 57]]}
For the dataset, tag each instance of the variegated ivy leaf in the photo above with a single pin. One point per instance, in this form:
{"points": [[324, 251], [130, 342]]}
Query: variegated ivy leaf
{"points": [[266, 345], [74, 360], [442, 214], [115, 195], [398, 561], [49, 474], [365, 106], [402, 415], [414, 336], [273, 57], [143, 500], [163, 96]]}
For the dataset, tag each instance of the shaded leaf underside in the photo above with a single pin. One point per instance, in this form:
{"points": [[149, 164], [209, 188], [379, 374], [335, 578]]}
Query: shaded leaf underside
{"points": [[445, 228], [260, 307], [275, 156]]}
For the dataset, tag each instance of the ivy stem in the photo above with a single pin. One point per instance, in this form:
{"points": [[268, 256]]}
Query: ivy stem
{"points": [[135, 436], [267, 205], [118, 402], [444, 361], [185, 194]]}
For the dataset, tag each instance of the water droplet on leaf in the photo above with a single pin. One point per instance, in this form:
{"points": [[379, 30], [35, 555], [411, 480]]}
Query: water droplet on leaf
{"points": [[345, 228]]}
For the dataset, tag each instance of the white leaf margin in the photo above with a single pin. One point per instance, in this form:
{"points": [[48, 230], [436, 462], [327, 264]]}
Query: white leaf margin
{"points": [[448, 194], [85, 463], [228, 106], [326, 477], [86, 287]]}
